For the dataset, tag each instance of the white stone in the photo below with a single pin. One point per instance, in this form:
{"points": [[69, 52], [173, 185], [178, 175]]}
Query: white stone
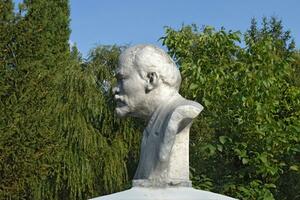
{"points": [[179, 158], [148, 85], [170, 193]]}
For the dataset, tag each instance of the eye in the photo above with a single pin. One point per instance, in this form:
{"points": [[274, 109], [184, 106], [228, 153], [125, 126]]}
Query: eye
{"points": [[120, 76], [121, 79]]}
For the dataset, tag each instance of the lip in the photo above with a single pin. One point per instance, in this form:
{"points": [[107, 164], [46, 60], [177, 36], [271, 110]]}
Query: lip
{"points": [[120, 103]]}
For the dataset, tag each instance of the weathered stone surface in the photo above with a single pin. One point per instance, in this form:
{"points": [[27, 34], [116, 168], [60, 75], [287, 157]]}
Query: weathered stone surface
{"points": [[148, 84], [170, 193]]}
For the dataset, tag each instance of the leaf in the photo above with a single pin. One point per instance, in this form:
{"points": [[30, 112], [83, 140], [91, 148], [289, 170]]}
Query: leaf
{"points": [[294, 168], [206, 102], [193, 86], [210, 149], [223, 139], [263, 158], [220, 148], [245, 161], [270, 185]]}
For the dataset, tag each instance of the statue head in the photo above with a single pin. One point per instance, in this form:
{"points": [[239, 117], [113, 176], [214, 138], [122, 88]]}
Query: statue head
{"points": [[146, 77]]}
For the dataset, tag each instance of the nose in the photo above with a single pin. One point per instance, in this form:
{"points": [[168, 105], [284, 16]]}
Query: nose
{"points": [[116, 90]]}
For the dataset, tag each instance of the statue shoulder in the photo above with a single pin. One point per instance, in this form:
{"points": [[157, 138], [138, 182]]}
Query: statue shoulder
{"points": [[188, 109], [183, 114]]}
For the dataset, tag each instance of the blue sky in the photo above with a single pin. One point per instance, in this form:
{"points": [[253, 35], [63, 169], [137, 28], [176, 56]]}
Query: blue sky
{"points": [[95, 22]]}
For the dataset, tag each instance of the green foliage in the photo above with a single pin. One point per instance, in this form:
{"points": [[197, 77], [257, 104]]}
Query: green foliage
{"points": [[96, 146], [43, 29], [296, 67], [59, 138], [28, 146], [250, 132]]}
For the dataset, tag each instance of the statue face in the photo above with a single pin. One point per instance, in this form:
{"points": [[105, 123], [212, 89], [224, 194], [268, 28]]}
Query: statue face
{"points": [[130, 94]]}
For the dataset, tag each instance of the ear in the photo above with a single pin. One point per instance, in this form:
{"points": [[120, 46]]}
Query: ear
{"points": [[152, 81]]}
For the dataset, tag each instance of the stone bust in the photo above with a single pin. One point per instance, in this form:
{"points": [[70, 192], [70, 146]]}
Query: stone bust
{"points": [[148, 81]]}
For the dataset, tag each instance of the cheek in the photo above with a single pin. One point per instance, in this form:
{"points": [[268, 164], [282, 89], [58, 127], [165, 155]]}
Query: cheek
{"points": [[133, 87]]}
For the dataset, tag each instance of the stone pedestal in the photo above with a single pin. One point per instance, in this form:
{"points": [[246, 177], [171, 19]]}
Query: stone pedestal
{"points": [[178, 168], [169, 193]]}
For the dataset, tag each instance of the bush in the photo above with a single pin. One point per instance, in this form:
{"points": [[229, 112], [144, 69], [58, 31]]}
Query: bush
{"points": [[249, 141]]}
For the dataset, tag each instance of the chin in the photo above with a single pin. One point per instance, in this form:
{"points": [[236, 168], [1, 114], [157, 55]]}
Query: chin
{"points": [[121, 112]]}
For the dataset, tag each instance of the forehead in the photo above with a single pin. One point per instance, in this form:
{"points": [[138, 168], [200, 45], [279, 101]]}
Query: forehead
{"points": [[127, 71], [125, 65], [124, 69]]}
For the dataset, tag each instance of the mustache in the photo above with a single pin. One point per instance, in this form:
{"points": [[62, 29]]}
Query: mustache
{"points": [[120, 100]]}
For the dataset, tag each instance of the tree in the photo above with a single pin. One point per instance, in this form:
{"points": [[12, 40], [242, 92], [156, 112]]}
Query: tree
{"points": [[43, 30], [6, 21], [296, 67], [35, 46], [59, 137], [7, 52], [95, 156], [250, 109]]}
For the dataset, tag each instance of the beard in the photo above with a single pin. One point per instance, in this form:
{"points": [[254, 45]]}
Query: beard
{"points": [[122, 111]]}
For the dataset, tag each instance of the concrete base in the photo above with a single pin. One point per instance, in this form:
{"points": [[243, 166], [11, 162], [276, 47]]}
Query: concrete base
{"points": [[169, 193]]}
